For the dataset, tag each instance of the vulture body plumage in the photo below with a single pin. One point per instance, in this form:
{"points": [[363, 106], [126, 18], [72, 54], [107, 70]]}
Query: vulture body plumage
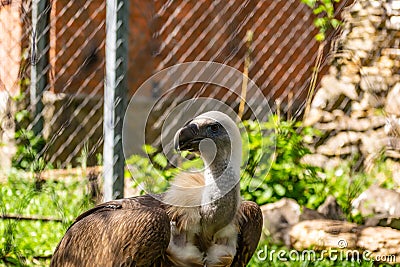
{"points": [[199, 221]]}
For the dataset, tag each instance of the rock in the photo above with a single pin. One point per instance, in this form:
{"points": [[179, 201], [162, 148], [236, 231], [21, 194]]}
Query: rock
{"points": [[367, 29], [333, 163], [377, 21], [373, 83], [361, 54], [395, 167], [363, 83], [313, 116], [391, 52], [394, 4], [353, 124], [340, 144], [326, 97], [278, 218], [340, 151], [309, 214], [393, 23], [317, 160], [337, 87], [373, 142], [320, 101], [376, 4], [327, 116], [321, 161], [374, 10], [395, 78], [384, 62], [394, 143], [392, 12], [357, 113], [392, 126], [331, 209], [323, 235], [392, 104], [379, 206], [371, 100], [380, 68], [356, 7], [338, 113], [392, 154], [350, 78], [360, 44]]}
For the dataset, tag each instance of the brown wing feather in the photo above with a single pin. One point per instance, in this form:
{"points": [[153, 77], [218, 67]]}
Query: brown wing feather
{"points": [[128, 232], [250, 226]]}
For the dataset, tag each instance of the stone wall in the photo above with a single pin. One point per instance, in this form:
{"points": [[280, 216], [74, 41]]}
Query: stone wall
{"points": [[357, 106]]}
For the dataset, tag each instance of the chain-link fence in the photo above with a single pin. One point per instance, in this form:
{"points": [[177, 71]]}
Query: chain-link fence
{"points": [[53, 69], [68, 70], [53, 61]]}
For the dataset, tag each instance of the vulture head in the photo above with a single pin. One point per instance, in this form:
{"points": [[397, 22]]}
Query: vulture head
{"points": [[216, 137]]}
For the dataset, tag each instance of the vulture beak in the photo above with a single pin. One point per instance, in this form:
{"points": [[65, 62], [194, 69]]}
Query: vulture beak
{"points": [[188, 138]]}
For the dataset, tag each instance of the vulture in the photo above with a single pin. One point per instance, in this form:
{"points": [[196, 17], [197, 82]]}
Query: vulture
{"points": [[200, 220]]}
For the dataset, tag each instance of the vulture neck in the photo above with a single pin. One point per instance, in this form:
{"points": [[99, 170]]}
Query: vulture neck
{"points": [[221, 175], [221, 193]]}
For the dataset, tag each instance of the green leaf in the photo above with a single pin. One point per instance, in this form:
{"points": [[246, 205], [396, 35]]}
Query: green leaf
{"points": [[319, 10], [335, 23], [320, 22], [320, 37], [279, 189], [310, 3], [161, 160], [20, 115], [148, 149]]}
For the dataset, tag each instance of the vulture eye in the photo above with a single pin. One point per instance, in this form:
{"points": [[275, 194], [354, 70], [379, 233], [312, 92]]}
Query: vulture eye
{"points": [[213, 128]]}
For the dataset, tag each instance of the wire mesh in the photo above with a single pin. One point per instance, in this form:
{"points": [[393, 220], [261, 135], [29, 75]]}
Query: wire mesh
{"points": [[355, 104], [163, 33], [72, 97]]}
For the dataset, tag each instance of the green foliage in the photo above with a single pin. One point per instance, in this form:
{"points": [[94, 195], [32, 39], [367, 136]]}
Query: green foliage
{"points": [[152, 173], [28, 243], [268, 178], [325, 11], [146, 176], [29, 147], [346, 184], [83, 157]]}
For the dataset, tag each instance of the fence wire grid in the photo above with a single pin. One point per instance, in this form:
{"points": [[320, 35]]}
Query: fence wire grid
{"points": [[68, 113]]}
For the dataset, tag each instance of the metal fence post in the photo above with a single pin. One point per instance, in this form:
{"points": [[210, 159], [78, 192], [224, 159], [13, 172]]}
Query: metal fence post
{"points": [[115, 92], [39, 60]]}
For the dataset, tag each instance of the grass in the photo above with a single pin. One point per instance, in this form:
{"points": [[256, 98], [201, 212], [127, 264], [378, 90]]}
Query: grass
{"points": [[31, 243]]}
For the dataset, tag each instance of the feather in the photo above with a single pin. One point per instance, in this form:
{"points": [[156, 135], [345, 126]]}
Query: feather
{"points": [[109, 234], [184, 200], [250, 225]]}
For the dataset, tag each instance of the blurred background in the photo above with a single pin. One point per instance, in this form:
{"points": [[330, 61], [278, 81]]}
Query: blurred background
{"points": [[161, 34], [328, 69]]}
